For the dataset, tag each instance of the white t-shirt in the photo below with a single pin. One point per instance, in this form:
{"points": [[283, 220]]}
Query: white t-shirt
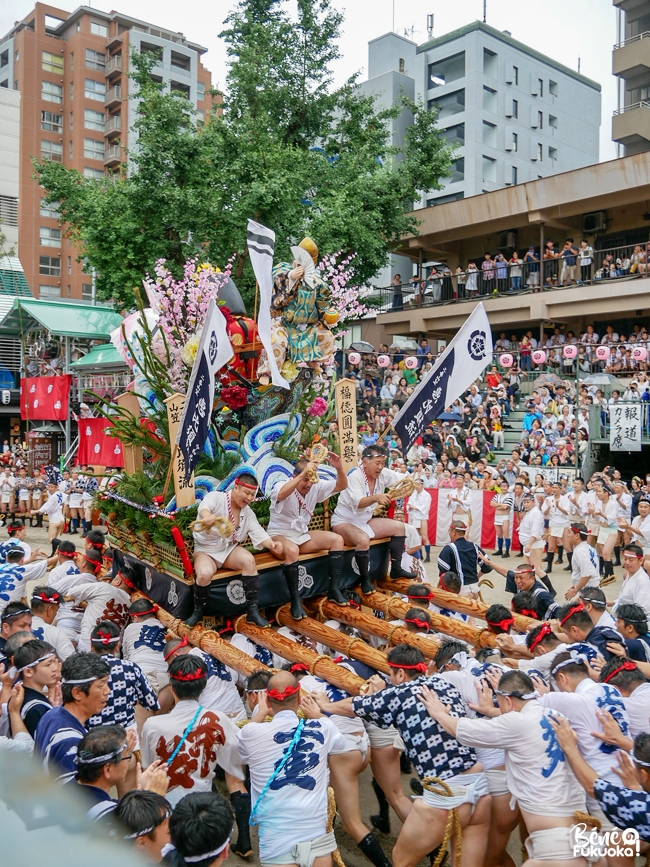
{"points": [[105, 602], [54, 635], [635, 590], [53, 507], [14, 578], [144, 644], [465, 683], [294, 513], [347, 509], [624, 506], [585, 562], [537, 773], [419, 505], [532, 524], [557, 518], [295, 809], [347, 725], [211, 741], [637, 706], [221, 693], [64, 576], [643, 525], [216, 502]]}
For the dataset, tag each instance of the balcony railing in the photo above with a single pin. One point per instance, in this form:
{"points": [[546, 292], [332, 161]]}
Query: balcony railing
{"points": [[113, 124], [112, 155], [114, 65], [508, 278], [113, 95], [599, 422], [632, 107], [639, 36]]}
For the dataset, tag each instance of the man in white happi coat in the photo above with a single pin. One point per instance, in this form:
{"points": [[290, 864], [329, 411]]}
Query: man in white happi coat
{"points": [[531, 531], [45, 604], [537, 774], [585, 565], [418, 511], [213, 551], [353, 516], [292, 508], [635, 589]]}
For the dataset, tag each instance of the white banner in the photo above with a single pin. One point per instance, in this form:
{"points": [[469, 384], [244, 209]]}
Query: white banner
{"points": [[261, 244], [625, 427]]}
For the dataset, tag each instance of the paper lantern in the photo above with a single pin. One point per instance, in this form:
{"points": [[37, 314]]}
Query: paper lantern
{"points": [[411, 362], [383, 360], [354, 358], [570, 350], [506, 360], [602, 353], [539, 356], [639, 353]]}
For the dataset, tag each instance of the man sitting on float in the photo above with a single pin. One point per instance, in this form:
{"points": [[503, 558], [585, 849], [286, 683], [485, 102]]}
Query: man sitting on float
{"points": [[353, 517], [213, 551], [292, 507]]}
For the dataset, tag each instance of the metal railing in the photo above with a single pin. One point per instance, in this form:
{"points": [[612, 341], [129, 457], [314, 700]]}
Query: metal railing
{"points": [[507, 278], [113, 124], [599, 422], [644, 103], [636, 38]]}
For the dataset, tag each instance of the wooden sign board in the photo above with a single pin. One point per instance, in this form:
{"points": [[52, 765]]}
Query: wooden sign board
{"points": [[346, 415], [41, 450], [128, 402], [183, 487]]}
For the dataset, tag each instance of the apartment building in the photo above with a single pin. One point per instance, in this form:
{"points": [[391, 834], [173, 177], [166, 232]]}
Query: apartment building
{"points": [[631, 63], [71, 72]]}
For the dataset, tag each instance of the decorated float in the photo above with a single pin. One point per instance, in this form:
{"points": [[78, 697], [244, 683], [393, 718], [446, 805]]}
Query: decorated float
{"points": [[274, 397]]}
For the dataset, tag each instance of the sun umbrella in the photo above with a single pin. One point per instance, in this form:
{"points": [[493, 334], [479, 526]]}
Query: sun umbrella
{"points": [[607, 379], [362, 346], [547, 379]]}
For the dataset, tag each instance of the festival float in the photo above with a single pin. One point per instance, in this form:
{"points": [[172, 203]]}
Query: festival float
{"points": [[274, 397]]}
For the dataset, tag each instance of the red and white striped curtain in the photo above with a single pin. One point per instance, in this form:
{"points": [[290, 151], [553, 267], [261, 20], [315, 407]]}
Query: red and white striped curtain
{"points": [[481, 531]]}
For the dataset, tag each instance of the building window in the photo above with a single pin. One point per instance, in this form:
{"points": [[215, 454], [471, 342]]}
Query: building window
{"points": [[50, 210], [49, 291], [93, 174], [52, 63], [16, 56], [8, 210], [515, 74], [5, 83], [200, 90], [552, 121], [70, 149], [99, 29], [180, 61], [540, 152], [457, 170], [50, 237], [95, 59], [4, 58], [52, 151], [513, 176], [69, 266], [489, 99], [72, 61], [16, 84], [454, 135], [489, 134], [552, 153], [179, 87], [200, 117], [442, 200], [552, 87], [489, 169], [94, 120], [49, 266], [71, 121], [94, 89], [86, 291], [540, 119], [447, 70], [51, 92], [156, 50], [93, 149], [51, 122], [489, 63], [448, 105], [71, 91], [540, 86], [515, 108], [401, 65], [515, 142]]}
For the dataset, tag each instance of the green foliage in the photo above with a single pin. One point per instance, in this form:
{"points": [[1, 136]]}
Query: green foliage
{"points": [[287, 149]]}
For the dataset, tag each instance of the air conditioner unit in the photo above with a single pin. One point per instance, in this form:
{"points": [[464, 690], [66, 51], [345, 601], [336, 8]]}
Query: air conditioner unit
{"points": [[507, 240], [596, 222]]}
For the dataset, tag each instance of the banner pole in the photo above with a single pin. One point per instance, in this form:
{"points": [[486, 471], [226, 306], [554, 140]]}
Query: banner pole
{"points": [[169, 472]]}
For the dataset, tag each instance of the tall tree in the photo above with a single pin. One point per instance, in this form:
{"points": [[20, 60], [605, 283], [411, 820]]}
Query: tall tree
{"points": [[286, 148]]}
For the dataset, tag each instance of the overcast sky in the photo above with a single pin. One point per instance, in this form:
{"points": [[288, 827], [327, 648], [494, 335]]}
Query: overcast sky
{"points": [[564, 29]]}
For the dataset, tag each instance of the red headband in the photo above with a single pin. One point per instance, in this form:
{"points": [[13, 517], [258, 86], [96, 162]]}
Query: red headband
{"points": [[104, 638], [184, 643], [99, 546], [627, 665], [428, 597], [528, 612], [522, 570], [151, 610], [421, 624], [246, 485], [298, 666], [68, 554], [287, 692], [54, 599], [420, 666], [575, 529], [354, 604], [227, 628], [543, 632], [197, 674], [504, 624], [573, 610], [95, 563], [126, 580]]}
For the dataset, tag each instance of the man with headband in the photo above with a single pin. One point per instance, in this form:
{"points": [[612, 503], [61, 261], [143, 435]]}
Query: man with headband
{"points": [[531, 531], [144, 821], [213, 551], [636, 583], [462, 557], [634, 687], [85, 690], [353, 517], [288, 762], [38, 667], [16, 573], [61, 578], [16, 617], [524, 578], [105, 598], [292, 507], [585, 566], [144, 639], [46, 603], [578, 627], [200, 829], [543, 786]]}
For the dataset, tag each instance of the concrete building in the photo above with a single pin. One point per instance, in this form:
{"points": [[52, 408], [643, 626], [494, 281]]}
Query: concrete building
{"points": [[71, 72], [9, 163], [631, 63]]}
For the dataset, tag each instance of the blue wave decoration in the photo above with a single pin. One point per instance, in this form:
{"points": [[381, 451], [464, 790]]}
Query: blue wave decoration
{"points": [[270, 430]]}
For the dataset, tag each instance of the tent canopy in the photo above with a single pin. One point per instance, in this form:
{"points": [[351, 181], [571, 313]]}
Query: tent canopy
{"points": [[59, 317], [105, 355]]}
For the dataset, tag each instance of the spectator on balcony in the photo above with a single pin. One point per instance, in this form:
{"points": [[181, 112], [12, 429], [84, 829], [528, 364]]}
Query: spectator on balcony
{"points": [[388, 392], [494, 378], [531, 268], [447, 285], [638, 260], [525, 351], [502, 272], [433, 287], [632, 392], [472, 280], [416, 283], [551, 256], [589, 337], [488, 267], [516, 270], [610, 336], [423, 351], [586, 261], [398, 299], [401, 395], [460, 282], [623, 264], [569, 257], [502, 344]]}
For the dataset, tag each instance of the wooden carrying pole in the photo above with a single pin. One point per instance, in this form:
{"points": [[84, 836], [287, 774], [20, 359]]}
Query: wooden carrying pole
{"points": [[395, 608], [208, 641], [365, 623], [321, 666], [351, 646], [464, 604]]}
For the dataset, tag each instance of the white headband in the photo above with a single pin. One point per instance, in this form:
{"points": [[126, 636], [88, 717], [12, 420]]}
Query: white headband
{"points": [[576, 659], [82, 680], [35, 663], [191, 859], [96, 760], [151, 828]]}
